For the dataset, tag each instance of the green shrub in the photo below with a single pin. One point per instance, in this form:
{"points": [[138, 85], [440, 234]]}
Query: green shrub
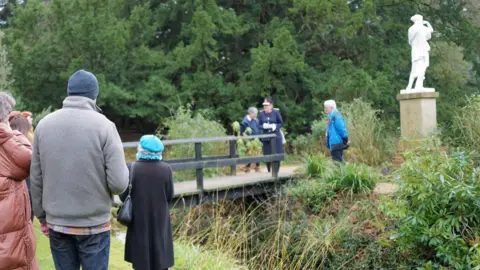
{"points": [[185, 125], [245, 146], [370, 143], [314, 142], [319, 166], [36, 118], [304, 145], [437, 208], [466, 127], [312, 194], [354, 178], [331, 179]]}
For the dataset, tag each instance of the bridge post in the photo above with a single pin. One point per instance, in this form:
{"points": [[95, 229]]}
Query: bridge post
{"points": [[198, 157], [233, 146]]}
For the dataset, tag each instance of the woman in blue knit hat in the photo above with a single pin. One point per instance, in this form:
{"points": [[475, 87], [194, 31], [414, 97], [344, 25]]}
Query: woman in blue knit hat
{"points": [[149, 243]]}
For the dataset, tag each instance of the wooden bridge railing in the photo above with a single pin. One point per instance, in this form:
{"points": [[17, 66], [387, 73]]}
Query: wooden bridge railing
{"points": [[200, 162]]}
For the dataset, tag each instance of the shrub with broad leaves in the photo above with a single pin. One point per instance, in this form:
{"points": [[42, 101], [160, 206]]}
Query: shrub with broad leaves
{"points": [[437, 207]]}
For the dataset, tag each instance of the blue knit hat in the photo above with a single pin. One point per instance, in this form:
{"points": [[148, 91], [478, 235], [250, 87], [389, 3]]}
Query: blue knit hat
{"points": [[151, 148], [83, 83]]}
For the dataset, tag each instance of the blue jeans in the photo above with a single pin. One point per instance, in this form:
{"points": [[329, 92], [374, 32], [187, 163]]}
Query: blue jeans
{"points": [[71, 251]]}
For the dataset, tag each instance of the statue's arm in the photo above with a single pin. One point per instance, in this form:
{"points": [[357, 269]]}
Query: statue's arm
{"points": [[429, 26]]}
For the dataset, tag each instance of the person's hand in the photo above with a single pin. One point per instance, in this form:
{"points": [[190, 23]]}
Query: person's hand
{"points": [[273, 126], [44, 229], [345, 140], [266, 126]]}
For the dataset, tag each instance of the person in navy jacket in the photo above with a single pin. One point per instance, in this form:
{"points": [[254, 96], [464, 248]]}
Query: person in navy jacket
{"points": [[271, 122], [251, 121], [337, 135]]}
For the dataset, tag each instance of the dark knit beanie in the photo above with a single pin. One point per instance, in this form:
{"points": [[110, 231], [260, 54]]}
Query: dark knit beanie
{"points": [[83, 83]]}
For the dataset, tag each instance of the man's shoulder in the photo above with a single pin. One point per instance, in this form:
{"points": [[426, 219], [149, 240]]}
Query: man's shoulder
{"points": [[65, 117]]}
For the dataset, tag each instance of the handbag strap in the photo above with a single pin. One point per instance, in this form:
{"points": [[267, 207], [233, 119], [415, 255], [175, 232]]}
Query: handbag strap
{"points": [[131, 179]]}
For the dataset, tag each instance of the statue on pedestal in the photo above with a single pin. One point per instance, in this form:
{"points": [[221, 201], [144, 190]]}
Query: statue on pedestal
{"points": [[418, 35]]}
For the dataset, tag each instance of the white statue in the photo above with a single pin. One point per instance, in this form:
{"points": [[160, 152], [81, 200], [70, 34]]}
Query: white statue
{"points": [[418, 35]]}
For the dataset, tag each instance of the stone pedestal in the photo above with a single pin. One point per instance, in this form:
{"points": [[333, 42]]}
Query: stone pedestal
{"points": [[418, 114], [418, 119]]}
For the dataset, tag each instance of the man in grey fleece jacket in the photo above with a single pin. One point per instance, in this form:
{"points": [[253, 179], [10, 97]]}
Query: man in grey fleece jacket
{"points": [[78, 163]]}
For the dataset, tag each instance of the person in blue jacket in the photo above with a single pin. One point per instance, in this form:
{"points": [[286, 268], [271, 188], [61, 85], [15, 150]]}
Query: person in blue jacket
{"points": [[337, 135], [271, 122], [251, 121]]}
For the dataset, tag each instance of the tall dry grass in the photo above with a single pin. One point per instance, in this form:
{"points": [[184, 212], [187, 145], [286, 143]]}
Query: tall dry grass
{"points": [[370, 142], [466, 125], [272, 234]]}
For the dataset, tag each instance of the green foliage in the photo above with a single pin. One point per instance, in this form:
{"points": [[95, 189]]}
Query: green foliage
{"points": [[436, 207], [319, 166], [38, 117], [278, 234], [466, 127], [151, 56], [370, 143], [312, 194], [184, 124], [331, 179], [246, 146], [353, 178], [5, 66]]}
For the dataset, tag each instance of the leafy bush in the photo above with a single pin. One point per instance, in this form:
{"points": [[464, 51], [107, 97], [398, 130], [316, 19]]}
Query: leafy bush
{"points": [[370, 143], [437, 208], [304, 145], [314, 142], [36, 118], [247, 147], [319, 166], [466, 127], [312, 194], [354, 178], [331, 179], [186, 125]]}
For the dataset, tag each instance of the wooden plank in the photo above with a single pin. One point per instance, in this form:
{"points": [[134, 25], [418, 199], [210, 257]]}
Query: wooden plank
{"points": [[224, 162], [182, 160], [203, 140], [228, 182]]}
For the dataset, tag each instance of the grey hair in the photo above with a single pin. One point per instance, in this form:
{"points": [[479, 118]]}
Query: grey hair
{"points": [[330, 103], [7, 104], [253, 110]]}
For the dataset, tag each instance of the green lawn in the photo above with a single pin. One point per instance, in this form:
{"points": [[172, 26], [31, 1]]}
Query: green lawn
{"points": [[187, 256]]}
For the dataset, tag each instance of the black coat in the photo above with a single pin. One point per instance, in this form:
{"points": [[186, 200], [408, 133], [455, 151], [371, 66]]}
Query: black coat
{"points": [[272, 118], [149, 243]]}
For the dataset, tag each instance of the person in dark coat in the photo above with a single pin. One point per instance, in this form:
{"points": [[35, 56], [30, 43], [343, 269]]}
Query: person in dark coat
{"points": [[149, 243], [250, 121], [271, 122]]}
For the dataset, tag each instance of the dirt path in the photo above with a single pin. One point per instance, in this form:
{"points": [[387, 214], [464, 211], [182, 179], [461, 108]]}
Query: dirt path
{"points": [[385, 188]]}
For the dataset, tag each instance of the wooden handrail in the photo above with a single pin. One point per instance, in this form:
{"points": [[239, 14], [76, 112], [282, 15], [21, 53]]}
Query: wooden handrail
{"points": [[203, 140], [200, 162]]}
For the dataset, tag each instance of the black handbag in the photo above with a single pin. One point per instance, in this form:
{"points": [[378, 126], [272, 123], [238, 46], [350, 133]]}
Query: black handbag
{"points": [[125, 212]]}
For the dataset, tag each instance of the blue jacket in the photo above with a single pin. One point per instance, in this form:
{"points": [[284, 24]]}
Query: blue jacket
{"points": [[250, 123], [337, 129]]}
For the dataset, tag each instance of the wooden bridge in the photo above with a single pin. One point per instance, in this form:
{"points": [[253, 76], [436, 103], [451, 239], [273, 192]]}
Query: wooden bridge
{"points": [[233, 186]]}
